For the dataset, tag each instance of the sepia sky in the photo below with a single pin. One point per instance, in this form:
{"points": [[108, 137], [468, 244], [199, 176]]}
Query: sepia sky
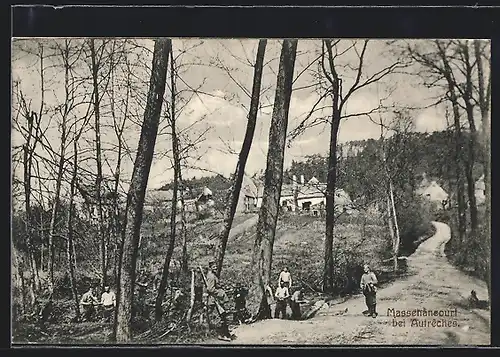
{"points": [[220, 107]]}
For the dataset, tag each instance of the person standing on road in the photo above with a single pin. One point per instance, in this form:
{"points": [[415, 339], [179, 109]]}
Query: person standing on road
{"points": [[369, 287], [285, 278], [217, 300], [282, 295]]}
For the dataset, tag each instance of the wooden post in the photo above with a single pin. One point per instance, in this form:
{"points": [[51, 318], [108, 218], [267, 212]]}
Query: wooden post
{"points": [[191, 305]]}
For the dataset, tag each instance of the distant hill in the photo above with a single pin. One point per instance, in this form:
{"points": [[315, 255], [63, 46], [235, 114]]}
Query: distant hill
{"points": [[411, 156]]}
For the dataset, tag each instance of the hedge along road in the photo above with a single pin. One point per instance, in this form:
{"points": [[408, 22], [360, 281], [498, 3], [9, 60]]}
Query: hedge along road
{"points": [[433, 284]]}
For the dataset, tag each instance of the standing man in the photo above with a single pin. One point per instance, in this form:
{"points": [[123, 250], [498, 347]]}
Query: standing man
{"points": [[270, 300], [88, 303], [217, 298], [142, 308], [282, 295], [108, 302], [285, 278], [215, 293], [369, 287], [157, 279]]}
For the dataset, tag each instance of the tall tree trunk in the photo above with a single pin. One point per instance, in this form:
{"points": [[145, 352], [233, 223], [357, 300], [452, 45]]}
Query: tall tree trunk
{"points": [[99, 178], [116, 219], [234, 192], [471, 154], [328, 278], [69, 243], [268, 215], [484, 106], [452, 95], [68, 96], [175, 189], [55, 207], [135, 198], [27, 163]]}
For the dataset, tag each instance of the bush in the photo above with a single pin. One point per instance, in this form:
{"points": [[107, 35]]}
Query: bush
{"points": [[472, 254], [414, 220]]}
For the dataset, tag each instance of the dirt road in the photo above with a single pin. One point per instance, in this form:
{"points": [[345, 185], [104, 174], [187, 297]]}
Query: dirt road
{"points": [[243, 226], [434, 285]]}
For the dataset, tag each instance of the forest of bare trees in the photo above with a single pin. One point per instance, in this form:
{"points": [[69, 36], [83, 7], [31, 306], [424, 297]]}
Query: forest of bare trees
{"points": [[92, 117]]}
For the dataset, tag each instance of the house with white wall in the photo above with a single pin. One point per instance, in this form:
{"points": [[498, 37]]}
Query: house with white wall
{"points": [[300, 196], [433, 192]]}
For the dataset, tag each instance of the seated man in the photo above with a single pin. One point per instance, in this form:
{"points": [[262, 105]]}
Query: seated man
{"points": [[241, 313], [295, 301]]}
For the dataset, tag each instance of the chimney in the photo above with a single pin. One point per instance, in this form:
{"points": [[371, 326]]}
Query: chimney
{"points": [[301, 179]]}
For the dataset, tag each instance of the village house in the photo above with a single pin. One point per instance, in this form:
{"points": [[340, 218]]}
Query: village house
{"points": [[193, 203], [87, 202], [433, 192], [304, 196]]}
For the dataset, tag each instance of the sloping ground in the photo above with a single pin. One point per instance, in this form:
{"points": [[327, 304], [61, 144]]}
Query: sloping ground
{"points": [[434, 285]]}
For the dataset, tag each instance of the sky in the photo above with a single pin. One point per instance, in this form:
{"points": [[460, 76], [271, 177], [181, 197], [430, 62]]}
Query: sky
{"points": [[218, 69]]}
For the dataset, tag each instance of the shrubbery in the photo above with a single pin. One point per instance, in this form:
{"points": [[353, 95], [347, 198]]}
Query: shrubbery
{"points": [[414, 220], [470, 255]]}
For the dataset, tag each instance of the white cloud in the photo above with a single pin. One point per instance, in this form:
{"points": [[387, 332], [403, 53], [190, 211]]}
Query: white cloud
{"points": [[430, 120]]}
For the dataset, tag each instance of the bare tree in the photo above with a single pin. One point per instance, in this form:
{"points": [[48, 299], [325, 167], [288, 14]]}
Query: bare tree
{"points": [[70, 248], [28, 151], [339, 100], [466, 92], [177, 181], [182, 144], [268, 215], [437, 62], [69, 55], [99, 178], [32, 133], [234, 192], [484, 94], [135, 199]]}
